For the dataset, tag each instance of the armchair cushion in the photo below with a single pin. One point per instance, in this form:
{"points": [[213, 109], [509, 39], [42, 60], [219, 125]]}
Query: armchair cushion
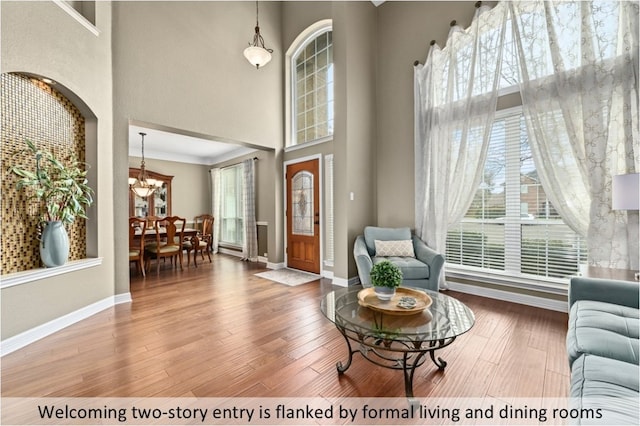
{"points": [[402, 248], [412, 268], [421, 270], [373, 233]]}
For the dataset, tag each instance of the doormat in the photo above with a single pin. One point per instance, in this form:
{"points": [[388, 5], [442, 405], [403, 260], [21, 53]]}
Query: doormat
{"points": [[290, 277]]}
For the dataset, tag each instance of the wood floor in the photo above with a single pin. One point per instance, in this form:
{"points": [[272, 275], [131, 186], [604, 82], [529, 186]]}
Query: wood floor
{"points": [[219, 330]]}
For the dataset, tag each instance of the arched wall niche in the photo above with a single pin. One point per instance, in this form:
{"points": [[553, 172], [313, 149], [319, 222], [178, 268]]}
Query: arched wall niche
{"points": [[52, 116]]}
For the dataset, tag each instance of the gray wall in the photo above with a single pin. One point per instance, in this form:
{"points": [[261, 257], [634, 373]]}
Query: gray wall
{"points": [[180, 64], [41, 38], [404, 32], [374, 52], [355, 139], [353, 145]]}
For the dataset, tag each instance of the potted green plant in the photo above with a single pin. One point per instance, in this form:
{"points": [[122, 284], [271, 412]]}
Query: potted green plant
{"points": [[385, 277], [62, 193]]}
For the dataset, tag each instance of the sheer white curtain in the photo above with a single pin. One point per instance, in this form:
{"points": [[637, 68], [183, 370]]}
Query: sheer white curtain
{"points": [[579, 67], [455, 101], [250, 233], [216, 200]]}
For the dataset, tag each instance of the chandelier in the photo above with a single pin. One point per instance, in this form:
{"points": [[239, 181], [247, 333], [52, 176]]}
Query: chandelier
{"points": [[143, 186], [256, 53]]}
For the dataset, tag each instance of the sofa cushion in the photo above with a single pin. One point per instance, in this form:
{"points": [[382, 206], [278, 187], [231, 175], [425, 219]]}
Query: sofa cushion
{"points": [[412, 268], [402, 248], [603, 329], [606, 384], [373, 233]]}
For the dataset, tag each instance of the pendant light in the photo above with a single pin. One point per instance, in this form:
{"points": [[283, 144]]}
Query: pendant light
{"points": [[256, 53], [142, 186]]}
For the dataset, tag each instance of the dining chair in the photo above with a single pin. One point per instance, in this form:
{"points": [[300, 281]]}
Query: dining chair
{"points": [[200, 225], [202, 241], [207, 231], [136, 245], [169, 234]]}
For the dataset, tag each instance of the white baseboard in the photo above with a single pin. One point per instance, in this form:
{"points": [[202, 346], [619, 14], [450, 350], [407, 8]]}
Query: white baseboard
{"points": [[122, 298], [507, 296], [327, 274], [25, 338], [230, 252], [263, 259], [343, 282], [354, 280], [280, 265]]}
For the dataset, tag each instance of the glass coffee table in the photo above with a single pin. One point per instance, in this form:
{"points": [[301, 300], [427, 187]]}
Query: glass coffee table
{"points": [[392, 340]]}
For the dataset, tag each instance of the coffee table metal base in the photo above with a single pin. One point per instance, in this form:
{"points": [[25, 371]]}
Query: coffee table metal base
{"points": [[405, 356]]}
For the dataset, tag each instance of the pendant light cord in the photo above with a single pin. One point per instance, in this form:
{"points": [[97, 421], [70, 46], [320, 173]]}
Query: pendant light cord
{"points": [[142, 162]]}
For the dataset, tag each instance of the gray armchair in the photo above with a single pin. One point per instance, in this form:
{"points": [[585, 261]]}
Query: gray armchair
{"points": [[422, 270]]}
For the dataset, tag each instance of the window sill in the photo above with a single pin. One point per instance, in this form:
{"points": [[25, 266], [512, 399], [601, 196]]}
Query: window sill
{"points": [[230, 246], [308, 144], [552, 285], [24, 277]]}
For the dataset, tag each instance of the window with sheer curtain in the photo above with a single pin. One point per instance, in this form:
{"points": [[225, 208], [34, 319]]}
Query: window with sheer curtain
{"points": [[231, 206], [511, 226], [533, 197]]}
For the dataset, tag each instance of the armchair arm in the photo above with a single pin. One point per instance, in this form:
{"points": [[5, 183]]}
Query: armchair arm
{"points": [[363, 261], [623, 293], [432, 258]]}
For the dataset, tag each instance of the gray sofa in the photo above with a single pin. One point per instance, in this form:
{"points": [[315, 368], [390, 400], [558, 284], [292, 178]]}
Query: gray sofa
{"points": [[603, 350], [422, 270]]}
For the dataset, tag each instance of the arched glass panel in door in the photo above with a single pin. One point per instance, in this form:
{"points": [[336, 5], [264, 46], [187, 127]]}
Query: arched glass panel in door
{"points": [[302, 203]]}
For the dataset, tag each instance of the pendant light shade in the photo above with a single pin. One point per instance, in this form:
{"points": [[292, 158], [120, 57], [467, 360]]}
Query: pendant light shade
{"points": [[142, 186], [257, 56], [256, 53]]}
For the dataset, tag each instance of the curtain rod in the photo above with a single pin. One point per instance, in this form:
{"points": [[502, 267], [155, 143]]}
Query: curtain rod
{"points": [[231, 165], [451, 24]]}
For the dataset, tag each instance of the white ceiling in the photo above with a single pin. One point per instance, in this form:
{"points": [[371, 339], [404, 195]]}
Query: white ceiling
{"points": [[170, 146]]}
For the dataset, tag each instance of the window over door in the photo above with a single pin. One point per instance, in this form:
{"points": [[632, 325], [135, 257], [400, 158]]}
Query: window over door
{"points": [[311, 86]]}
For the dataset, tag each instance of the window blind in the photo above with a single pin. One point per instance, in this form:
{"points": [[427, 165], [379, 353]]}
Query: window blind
{"points": [[231, 207], [328, 165], [511, 226]]}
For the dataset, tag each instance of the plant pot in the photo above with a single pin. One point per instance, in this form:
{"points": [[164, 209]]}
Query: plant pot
{"points": [[54, 244], [385, 293]]}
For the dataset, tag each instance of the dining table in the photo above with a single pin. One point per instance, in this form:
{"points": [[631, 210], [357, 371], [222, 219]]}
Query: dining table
{"points": [[188, 232]]}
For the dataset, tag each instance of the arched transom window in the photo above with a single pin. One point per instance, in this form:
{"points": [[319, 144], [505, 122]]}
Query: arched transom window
{"points": [[312, 85]]}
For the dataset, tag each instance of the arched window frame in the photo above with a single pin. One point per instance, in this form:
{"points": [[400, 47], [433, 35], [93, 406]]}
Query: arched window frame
{"points": [[301, 42]]}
